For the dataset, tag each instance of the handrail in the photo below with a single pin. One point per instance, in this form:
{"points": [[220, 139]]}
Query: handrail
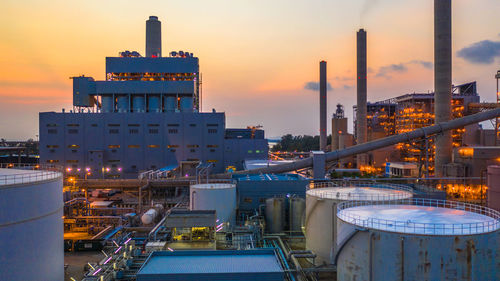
{"points": [[401, 191], [42, 173], [408, 226]]}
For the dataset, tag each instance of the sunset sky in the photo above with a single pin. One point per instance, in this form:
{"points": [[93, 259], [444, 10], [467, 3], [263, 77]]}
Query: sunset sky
{"points": [[257, 57]]}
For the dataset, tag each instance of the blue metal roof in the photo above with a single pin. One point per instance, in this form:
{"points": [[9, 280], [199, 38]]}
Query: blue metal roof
{"points": [[268, 177], [261, 264]]}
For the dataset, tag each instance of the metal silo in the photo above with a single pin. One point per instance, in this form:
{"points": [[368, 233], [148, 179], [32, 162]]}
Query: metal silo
{"points": [[321, 205], [275, 214], [138, 103], [154, 103], [417, 239], [31, 228], [122, 103], [297, 213], [215, 196]]}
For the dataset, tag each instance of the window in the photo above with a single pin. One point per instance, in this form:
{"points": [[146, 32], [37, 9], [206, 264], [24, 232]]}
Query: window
{"points": [[212, 161], [94, 125], [52, 131], [73, 125], [192, 150], [172, 150], [153, 131], [250, 151], [192, 125], [173, 131], [114, 131], [212, 125], [262, 200], [153, 146], [247, 200], [114, 125], [133, 131], [153, 125], [173, 125], [212, 146], [212, 131], [134, 125], [53, 146], [133, 167], [71, 161], [51, 125], [257, 151], [74, 151], [133, 146], [73, 146], [172, 146], [52, 161], [114, 161], [72, 131], [114, 146], [212, 150], [192, 145]]}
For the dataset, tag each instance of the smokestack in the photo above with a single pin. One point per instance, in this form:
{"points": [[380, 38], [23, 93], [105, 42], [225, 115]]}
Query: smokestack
{"points": [[153, 37], [322, 105], [442, 81], [361, 94]]}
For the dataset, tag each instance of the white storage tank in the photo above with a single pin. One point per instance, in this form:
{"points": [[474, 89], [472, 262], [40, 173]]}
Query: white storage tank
{"points": [[31, 225], [220, 197], [321, 206], [417, 239]]}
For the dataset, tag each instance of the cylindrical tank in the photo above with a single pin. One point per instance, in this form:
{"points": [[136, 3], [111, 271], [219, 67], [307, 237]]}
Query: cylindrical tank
{"points": [[107, 104], [170, 104], [215, 196], [122, 103], [494, 187], [186, 104], [31, 228], [154, 103], [321, 204], [138, 103], [297, 213], [275, 215], [417, 239], [149, 217]]}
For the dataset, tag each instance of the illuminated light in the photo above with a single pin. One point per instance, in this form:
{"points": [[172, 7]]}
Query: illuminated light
{"points": [[128, 240], [68, 169], [170, 249], [115, 243], [107, 260], [107, 169], [97, 271], [78, 169], [119, 169], [87, 169], [117, 250], [93, 268]]}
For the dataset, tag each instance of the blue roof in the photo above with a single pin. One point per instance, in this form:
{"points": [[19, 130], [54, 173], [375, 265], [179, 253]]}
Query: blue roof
{"points": [[268, 177], [212, 265]]}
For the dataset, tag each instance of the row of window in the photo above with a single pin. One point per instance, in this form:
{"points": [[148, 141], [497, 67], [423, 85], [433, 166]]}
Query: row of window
{"points": [[133, 125], [131, 131]]}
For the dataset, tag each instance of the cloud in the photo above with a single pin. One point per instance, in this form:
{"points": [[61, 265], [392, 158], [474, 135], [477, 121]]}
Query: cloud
{"points": [[482, 52], [314, 86], [386, 70]]}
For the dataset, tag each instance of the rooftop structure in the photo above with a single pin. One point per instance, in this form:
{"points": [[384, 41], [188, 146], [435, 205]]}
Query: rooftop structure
{"points": [[212, 265]]}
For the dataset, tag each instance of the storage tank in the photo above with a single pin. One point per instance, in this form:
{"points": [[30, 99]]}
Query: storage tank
{"points": [[150, 216], [107, 104], [494, 187], [170, 104], [154, 103], [138, 103], [417, 239], [275, 215], [31, 228], [321, 205], [186, 104], [215, 196], [297, 213], [122, 103]]}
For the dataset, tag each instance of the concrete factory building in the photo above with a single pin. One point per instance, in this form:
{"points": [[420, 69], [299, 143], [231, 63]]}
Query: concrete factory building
{"points": [[144, 116]]}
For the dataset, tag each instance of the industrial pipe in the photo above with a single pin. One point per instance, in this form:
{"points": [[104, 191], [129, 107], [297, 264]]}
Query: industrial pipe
{"points": [[380, 143]]}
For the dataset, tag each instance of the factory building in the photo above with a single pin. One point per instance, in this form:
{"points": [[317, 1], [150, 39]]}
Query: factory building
{"points": [[144, 116], [413, 111]]}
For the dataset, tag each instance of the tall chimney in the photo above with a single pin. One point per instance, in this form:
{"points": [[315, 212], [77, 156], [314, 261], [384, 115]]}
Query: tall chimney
{"points": [[361, 94], [322, 105], [153, 37], [442, 81]]}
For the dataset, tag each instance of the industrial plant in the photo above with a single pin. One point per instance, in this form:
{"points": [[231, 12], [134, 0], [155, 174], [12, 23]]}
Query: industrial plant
{"points": [[136, 182]]}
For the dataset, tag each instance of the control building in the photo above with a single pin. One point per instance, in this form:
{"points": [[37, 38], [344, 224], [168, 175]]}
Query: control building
{"points": [[144, 116]]}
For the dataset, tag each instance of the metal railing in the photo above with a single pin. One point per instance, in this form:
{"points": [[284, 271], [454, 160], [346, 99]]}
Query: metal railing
{"points": [[488, 224], [399, 191], [43, 172]]}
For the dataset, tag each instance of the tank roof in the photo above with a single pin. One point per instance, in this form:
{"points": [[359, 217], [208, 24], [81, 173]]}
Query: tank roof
{"points": [[421, 216], [360, 193], [213, 185], [21, 176]]}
